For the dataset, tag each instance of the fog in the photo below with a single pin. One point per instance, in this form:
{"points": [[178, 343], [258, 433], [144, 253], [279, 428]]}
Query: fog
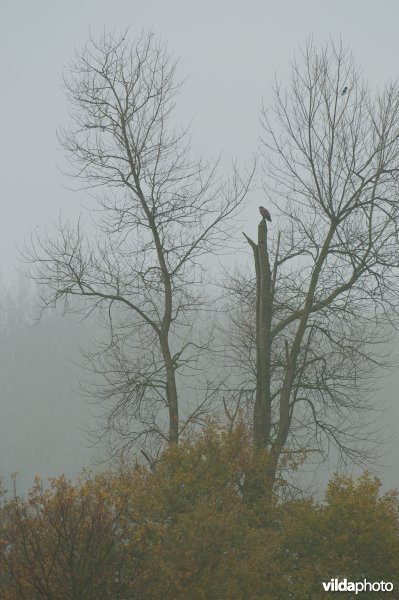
{"points": [[44, 421], [230, 53]]}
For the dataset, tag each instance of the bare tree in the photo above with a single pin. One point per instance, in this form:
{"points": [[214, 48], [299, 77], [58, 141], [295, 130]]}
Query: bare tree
{"points": [[158, 215], [325, 292]]}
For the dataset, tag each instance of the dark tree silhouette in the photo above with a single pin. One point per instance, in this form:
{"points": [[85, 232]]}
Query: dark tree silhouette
{"points": [[307, 331], [159, 213]]}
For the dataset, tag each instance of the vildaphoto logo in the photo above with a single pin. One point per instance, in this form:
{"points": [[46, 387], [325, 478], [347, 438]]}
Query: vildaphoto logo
{"points": [[343, 585]]}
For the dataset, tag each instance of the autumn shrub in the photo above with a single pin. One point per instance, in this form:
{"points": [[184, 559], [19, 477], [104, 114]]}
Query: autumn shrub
{"points": [[184, 531], [63, 542]]}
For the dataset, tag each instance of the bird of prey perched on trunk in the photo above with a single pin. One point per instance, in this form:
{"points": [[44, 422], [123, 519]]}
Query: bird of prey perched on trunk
{"points": [[344, 91], [265, 213]]}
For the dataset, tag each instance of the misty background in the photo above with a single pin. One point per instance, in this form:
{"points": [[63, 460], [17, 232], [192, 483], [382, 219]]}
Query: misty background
{"points": [[229, 53]]}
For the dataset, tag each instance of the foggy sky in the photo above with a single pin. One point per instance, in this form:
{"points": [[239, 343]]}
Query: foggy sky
{"points": [[230, 52]]}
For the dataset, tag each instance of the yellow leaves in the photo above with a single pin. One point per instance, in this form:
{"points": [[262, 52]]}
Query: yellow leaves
{"points": [[185, 531]]}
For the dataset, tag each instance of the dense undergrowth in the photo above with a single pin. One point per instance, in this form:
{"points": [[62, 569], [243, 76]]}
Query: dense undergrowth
{"points": [[186, 531]]}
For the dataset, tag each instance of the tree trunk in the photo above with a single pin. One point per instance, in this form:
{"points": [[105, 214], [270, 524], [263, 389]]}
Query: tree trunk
{"points": [[171, 391], [261, 484], [264, 306]]}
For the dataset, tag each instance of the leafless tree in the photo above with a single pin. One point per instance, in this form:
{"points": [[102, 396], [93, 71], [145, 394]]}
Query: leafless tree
{"points": [[310, 325], [159, 214]]}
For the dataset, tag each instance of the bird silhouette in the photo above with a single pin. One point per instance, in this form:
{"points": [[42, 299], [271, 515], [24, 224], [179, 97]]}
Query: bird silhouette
{"points": [[344, 91], [265, 213]]}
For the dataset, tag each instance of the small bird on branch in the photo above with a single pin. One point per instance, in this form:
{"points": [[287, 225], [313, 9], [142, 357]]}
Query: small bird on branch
{"points": [[265, 213], [344, 91]]}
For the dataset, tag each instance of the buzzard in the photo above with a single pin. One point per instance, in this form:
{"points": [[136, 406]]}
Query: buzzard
{"points": [[344, 91], [265, 213]]}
